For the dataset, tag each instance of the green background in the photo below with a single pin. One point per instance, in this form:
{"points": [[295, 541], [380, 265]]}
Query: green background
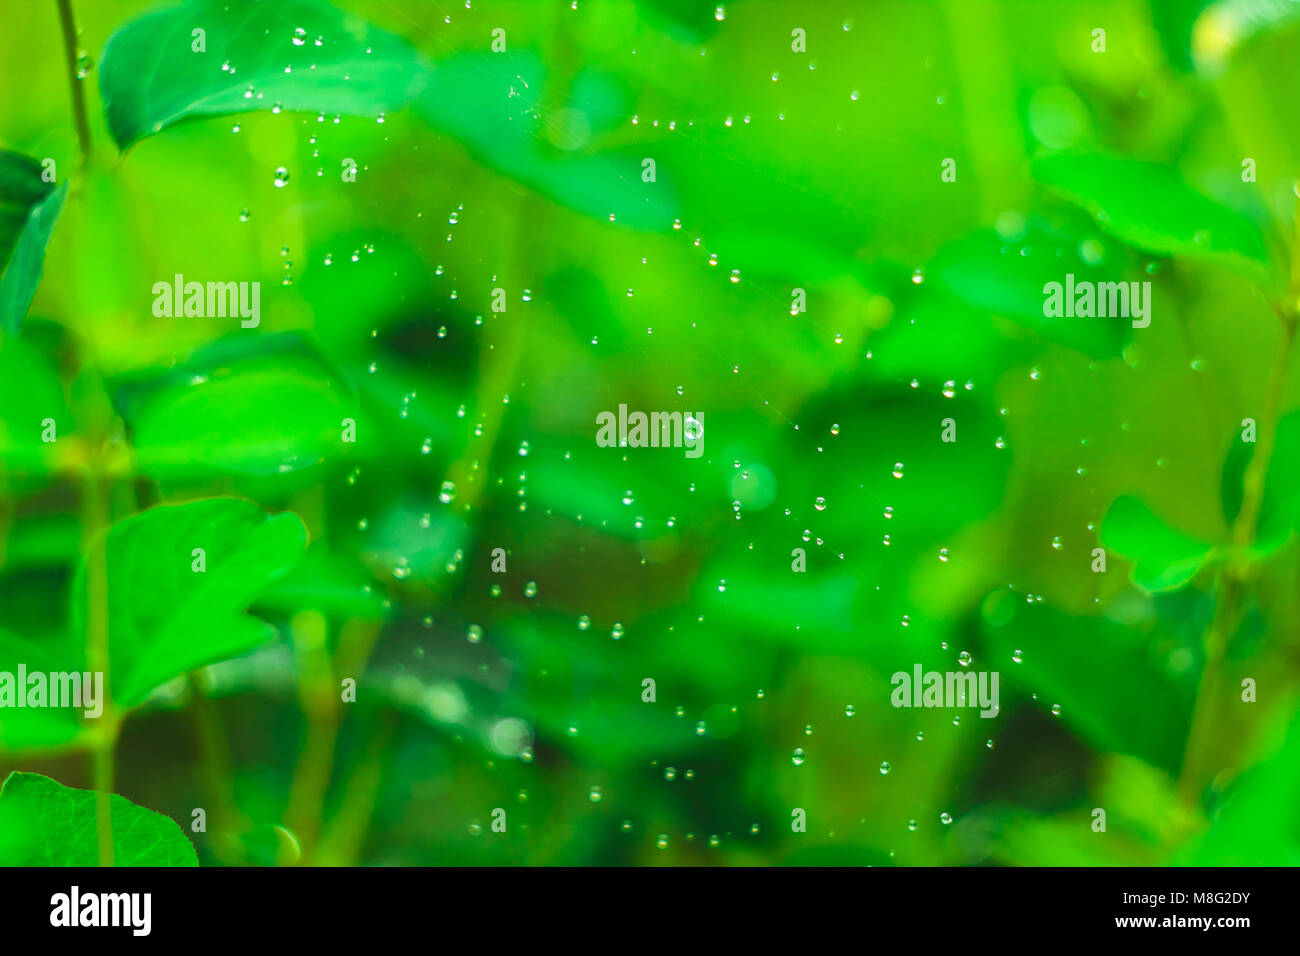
{"points": [[775, 170]]}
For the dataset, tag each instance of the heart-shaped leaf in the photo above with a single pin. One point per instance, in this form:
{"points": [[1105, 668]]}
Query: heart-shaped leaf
{"points": [[44, 823], [165, 615], [1164, 559], [295, 54]]}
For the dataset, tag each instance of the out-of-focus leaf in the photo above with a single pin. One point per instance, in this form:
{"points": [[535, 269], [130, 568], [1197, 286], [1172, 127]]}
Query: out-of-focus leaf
{"points": [[21, 188], [164, 618], [1164, 558], [1114, 690], [295, 54], [238, 406], [1279, 510], [1065, 841], [44, 823], [23, 273], [30, 393], [1224, 26], [1151, 208], [490, 102], [1007, 278], [1257, 824], [34, 727], [327, 582], [257, 423]]}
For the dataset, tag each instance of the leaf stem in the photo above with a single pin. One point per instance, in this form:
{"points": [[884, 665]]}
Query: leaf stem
{"points": [[94, 518], [69, 23], [1198, 757]]}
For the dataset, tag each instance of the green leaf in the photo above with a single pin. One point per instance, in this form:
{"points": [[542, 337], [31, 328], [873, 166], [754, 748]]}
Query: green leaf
{"points": [[258, 55], [1279, 509], [21, 188], [1164, 558], [24, 728], [1116, 683], [1226, 26], [44, 823], [164, 618], [23, 273], [30, 392], [492, 102], [257, 423], [325, 581], [250, 405], [1256, 825], [1151, 208], [1007, 279]]}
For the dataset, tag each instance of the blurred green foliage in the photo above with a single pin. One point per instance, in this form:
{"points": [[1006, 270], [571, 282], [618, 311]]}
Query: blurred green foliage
{"points": [[373, 692]]}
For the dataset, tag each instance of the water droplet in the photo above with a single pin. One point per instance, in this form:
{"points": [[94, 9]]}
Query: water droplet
{"points": [[447, 493], [281, 176], [796, 757], [594, 795], [945, 818], [299, 36], [964, 658], [820, 503], [885, 767], [584, 622], [474, 634], [1017, 655]]}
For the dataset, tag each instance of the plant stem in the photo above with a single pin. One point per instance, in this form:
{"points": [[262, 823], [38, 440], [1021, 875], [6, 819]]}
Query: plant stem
{"points": [[69, 23], [1198, 758], [319, 694], [94, 515], [216, 776]]}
